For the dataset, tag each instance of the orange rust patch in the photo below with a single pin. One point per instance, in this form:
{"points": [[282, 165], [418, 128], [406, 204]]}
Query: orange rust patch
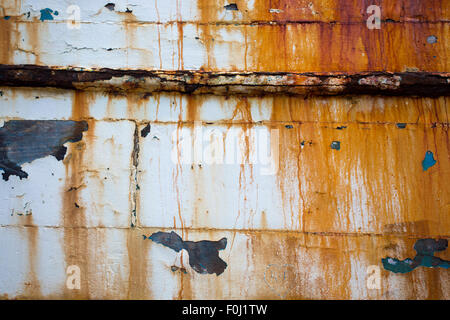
{"points": [[32, 287], [6, 47], [34, 40], [76, 245], [138, 265]]}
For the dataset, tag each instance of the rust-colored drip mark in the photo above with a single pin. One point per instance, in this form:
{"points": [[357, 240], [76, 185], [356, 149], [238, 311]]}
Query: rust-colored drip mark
{"points": [[374, 48], [433, 281], [136, 102], [158, 102], [178, 170], [269, 51], [193, 105], [180, 45], [32, 289], [185, 292], [5, 41], [127, 19], [80, 105], [76, 246], [180, 37], [159, 34], [242, 112], [34, 39], [138, 265], [208, 12], [300, 174], [281, 112], [246, 47], [349, 47]]}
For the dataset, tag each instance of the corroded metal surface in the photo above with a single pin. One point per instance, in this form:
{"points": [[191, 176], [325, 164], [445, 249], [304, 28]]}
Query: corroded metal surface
{"points": [[249, 84], [202, 150], [308, 36], [325, 215]]}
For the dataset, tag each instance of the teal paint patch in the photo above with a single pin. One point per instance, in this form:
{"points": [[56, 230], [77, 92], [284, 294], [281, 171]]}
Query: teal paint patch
{"points": [[6, 17], [428, 161], [336, 145], [46, 14], [425, 249]]}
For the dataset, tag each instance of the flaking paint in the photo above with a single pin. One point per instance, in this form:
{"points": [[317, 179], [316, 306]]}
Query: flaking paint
{"points": [[324, 216]]}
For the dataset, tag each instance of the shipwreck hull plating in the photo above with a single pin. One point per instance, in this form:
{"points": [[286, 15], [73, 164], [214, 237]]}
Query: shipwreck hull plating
{"points": [[315, 146]]}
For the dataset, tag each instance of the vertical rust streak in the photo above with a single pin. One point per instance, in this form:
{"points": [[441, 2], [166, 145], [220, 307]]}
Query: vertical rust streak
{"points": [[138, 265], [180, 37], [159, 34], [76, 245], [5, 41], [32, 286], [208, 13]]}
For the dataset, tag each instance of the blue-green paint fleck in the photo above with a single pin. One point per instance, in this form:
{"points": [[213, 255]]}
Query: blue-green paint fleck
{"points": [[425, 249], [429, 161], [46, 14], [336, 145], [6, 17]]}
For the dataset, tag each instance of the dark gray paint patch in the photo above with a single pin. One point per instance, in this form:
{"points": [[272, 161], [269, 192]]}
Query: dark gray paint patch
{"points": [[401, 125], [146, 131], [289, 126], [231, 6], [341, 127], [425, 249], [110, 6], [203, 255], [23, 141]]}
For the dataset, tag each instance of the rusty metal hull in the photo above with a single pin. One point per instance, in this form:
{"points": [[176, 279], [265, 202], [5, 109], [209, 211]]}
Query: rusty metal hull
{"points": [[190, 150], [326, 213]]}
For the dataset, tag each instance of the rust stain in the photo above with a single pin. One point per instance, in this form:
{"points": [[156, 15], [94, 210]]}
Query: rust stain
{"points": [[33, 31], [321, 189], [180, 38], [139, 265], [76, 233], [32, 287], [129, 23], [185, 291], [6, 47], [207, 34], [159, 34]]}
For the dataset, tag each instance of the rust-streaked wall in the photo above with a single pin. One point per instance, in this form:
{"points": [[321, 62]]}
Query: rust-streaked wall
{"points": [[347, 187], [307, 36]]}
